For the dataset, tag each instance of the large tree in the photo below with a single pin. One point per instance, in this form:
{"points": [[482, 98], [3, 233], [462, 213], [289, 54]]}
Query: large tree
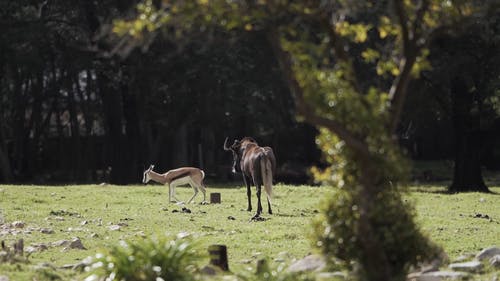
{"points": [[472, 71], [460, 98]]}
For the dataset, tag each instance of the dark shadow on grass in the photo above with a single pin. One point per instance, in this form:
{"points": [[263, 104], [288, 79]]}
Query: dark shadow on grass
{"points": [[287, 215], [470, 191], [440, 188]]}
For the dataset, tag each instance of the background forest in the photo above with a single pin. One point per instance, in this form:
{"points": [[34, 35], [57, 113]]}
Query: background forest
{"points": [[79, 104], [96, 91]]}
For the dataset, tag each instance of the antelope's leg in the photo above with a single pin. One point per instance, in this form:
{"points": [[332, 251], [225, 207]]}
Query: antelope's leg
{"points": [[174, 199], [204, 191], [249, 192], [169, 193], [195, 189]]}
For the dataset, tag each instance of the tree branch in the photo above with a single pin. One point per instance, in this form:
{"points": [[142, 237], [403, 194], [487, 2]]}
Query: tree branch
{"points": [[403, 23], [424, 5], [302, 107], [341, 54], [398, 91]]}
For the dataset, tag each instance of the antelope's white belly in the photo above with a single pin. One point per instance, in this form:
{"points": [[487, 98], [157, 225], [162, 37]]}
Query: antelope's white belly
{"points": [[181, 181]]}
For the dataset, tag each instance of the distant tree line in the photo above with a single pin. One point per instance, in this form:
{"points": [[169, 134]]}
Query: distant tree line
{"points": [[79, 104], [74, 109]]}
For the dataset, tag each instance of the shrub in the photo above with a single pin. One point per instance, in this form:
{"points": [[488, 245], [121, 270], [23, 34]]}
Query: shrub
{"points": [[158, 258], [336, 232]]}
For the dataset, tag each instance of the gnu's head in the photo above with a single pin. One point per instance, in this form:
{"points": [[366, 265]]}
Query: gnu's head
{"points": [[237, 149], [146, 177]]}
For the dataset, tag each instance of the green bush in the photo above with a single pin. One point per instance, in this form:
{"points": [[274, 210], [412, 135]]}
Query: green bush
{"points": [[337, 234], [149, 259]]}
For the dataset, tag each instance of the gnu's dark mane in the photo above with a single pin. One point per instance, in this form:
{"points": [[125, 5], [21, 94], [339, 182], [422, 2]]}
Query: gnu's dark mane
{"points": [[248, 139]]}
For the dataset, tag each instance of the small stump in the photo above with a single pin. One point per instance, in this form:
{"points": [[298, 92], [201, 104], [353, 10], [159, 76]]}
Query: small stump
{"points": [[218, 256], [215, 198]]}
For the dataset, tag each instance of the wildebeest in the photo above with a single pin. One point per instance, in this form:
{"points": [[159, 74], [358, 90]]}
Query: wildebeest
{"points": [[181, 176], [257, 164]]}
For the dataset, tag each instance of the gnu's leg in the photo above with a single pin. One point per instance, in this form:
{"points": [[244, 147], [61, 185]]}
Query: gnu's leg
{"points": [[249, 193], [259, 205], [269, 206]]}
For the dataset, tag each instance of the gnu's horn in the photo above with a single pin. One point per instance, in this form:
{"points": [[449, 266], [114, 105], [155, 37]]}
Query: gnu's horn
{"points": [[226, 147]]}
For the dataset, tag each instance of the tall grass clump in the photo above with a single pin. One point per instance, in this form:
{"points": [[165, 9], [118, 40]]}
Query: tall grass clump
{"points": [[156, 258]]}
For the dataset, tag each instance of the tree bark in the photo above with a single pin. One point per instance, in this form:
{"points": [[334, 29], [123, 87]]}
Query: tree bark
{"points": [[377, 266], [76, 147], [114, 147], [467, 175], [5, 170], [132, 131]]}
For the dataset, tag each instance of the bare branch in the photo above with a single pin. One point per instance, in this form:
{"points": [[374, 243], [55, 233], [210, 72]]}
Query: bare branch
{"points": [[397, 93]]}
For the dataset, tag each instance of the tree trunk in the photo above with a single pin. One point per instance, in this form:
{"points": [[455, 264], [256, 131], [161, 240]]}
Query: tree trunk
{"points": [[377, 265], [467, 174], [5, 170], [76, 147], [180, 152], [18, 113], [87, 152], [133, 140], [114, 147]]}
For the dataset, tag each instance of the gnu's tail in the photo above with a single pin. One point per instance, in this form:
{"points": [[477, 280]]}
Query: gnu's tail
{"points": [[267, 176]]}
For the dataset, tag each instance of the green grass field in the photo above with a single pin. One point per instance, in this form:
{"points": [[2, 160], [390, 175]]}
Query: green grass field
{"points": [[88, 211]]}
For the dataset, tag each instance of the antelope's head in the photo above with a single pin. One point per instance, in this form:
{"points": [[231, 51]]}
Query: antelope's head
{"points": [[146, 177]]}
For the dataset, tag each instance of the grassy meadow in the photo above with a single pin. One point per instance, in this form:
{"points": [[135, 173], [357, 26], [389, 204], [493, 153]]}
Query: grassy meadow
{"points": [[461, 223]]}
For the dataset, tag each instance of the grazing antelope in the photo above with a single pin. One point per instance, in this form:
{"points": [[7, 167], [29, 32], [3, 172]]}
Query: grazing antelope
{"points": [[257, 164], [181, 176]]}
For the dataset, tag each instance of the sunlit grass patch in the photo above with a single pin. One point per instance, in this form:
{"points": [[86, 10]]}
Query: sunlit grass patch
{"points": [[90, 212]]}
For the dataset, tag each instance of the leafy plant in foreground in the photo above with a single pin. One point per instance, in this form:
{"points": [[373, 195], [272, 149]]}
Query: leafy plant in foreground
{"points": [[156, 258], [338, 235]]}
